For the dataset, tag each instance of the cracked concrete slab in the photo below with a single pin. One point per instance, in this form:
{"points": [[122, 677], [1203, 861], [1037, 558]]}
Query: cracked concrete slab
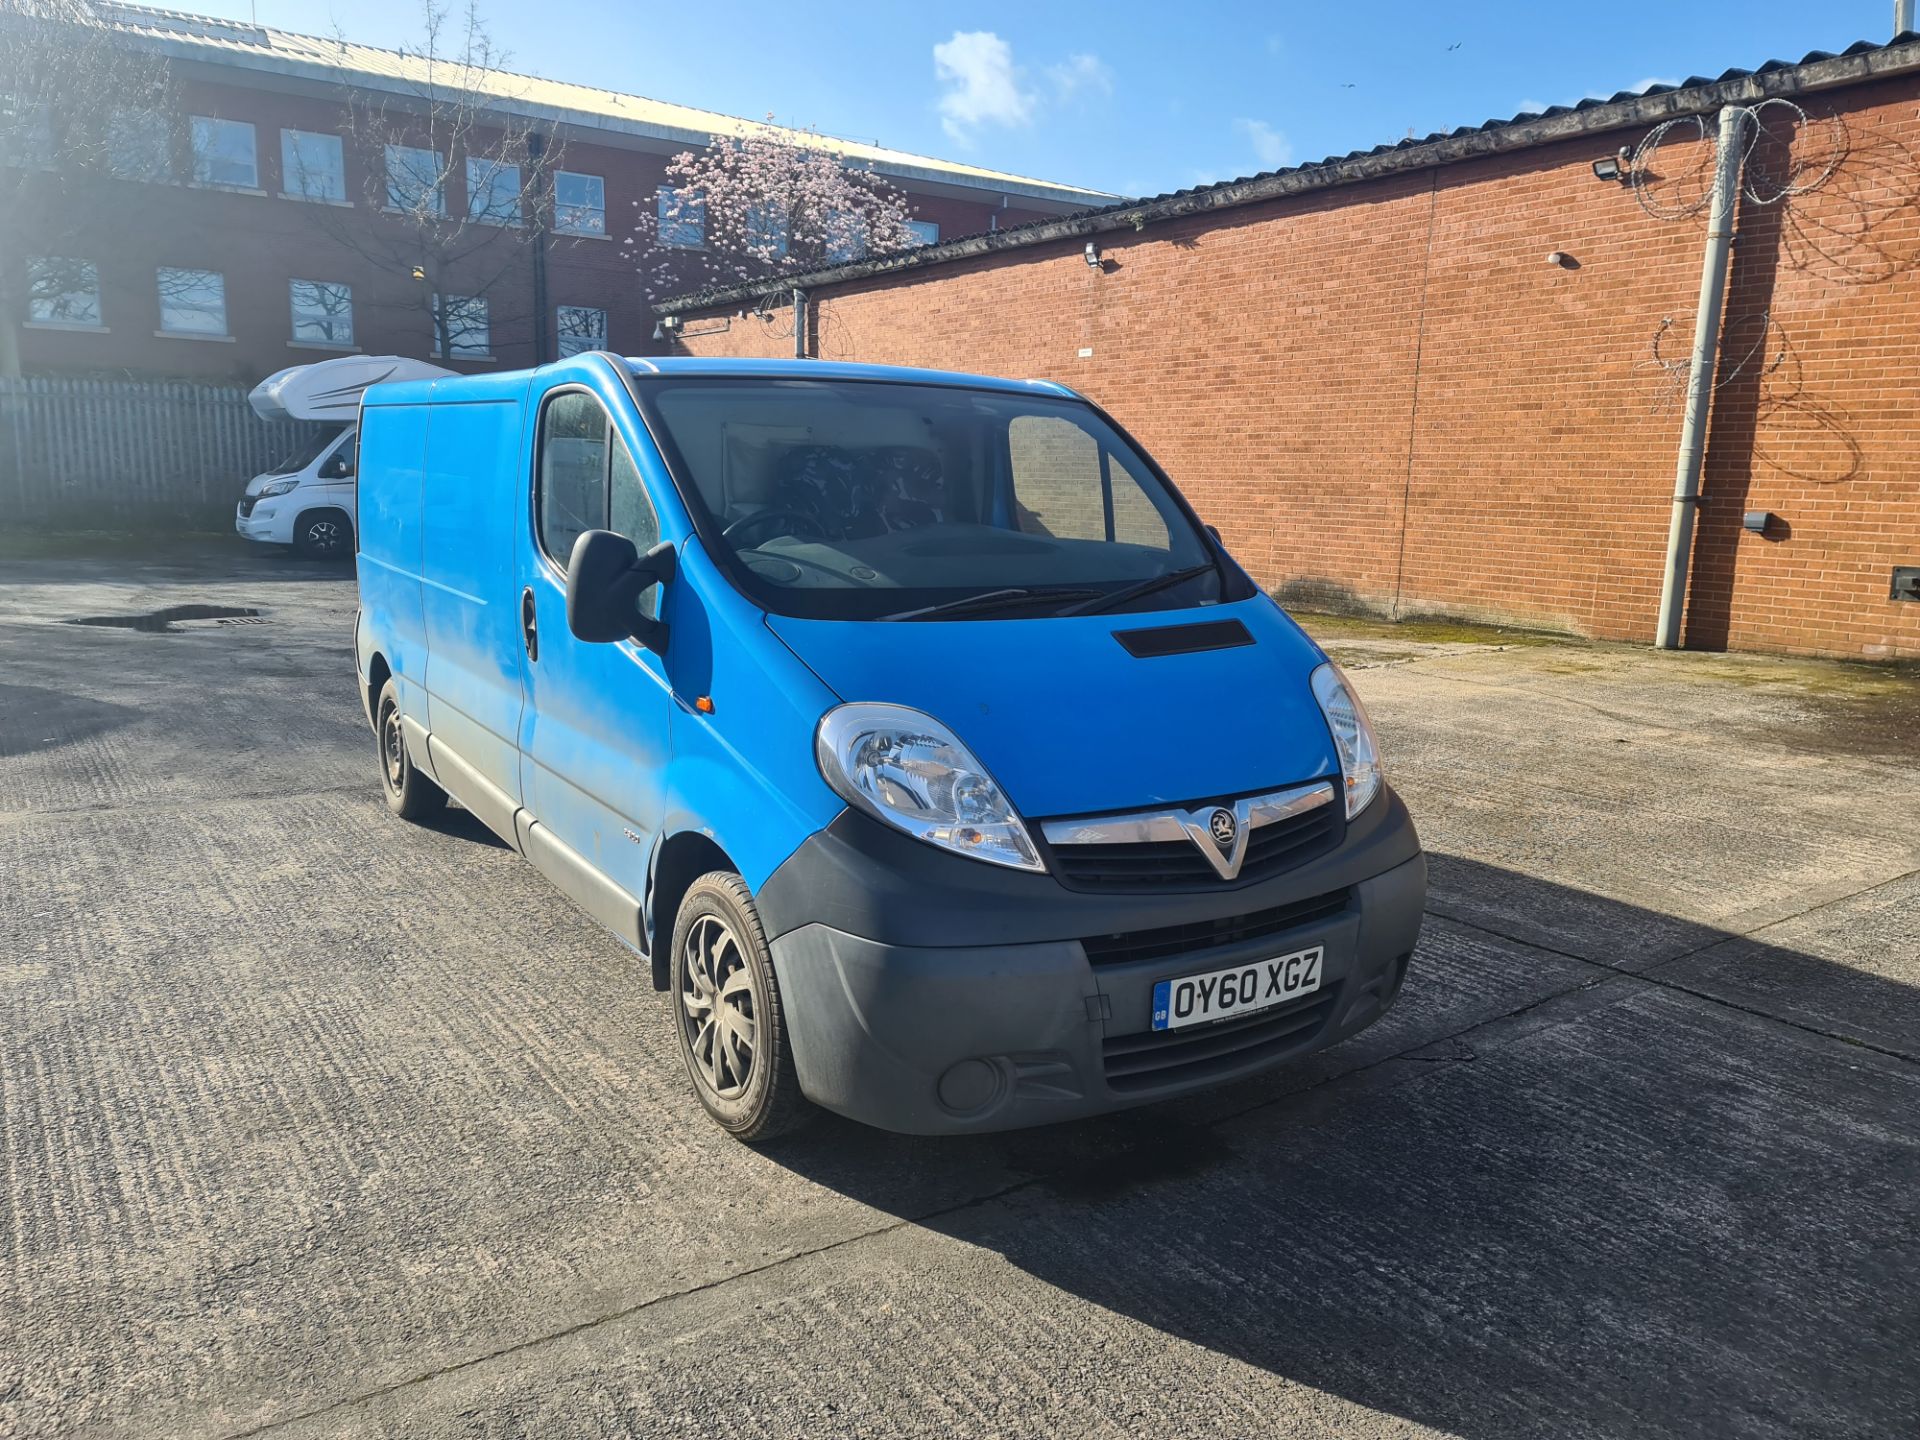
{"points": [[307, 1112]]}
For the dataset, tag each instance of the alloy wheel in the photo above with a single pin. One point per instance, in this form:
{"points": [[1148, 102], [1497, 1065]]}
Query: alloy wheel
{"points": [[718, 1007]]}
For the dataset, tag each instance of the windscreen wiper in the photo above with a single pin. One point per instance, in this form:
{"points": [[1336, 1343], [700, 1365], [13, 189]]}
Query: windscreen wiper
{"points": [[1108, 599], [990, 600]]}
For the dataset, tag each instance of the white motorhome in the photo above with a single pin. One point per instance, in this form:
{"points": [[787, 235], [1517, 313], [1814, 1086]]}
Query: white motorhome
{"points": [[307, 500]]}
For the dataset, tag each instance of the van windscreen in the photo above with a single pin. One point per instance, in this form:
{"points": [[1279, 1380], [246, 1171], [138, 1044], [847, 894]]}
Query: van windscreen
{"points": [[856, 499]]}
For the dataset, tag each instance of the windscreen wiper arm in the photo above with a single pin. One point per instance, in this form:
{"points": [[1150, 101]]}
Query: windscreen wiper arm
{"points": [[1108, 599], [989, 600]]}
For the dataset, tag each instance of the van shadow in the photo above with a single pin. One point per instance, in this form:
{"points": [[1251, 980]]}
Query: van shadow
{"points": [[1632, 1211]]}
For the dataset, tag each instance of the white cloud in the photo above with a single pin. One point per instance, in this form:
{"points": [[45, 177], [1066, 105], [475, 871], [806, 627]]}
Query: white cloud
{"points": [[1080, 75], [1652, 80], [983, 85], [1270, 147]]}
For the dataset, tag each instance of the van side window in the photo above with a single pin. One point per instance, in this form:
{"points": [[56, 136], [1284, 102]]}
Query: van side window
{"points": [[1066, 484], [573, 472], [588, 481], [340, 467], [630, 512]]}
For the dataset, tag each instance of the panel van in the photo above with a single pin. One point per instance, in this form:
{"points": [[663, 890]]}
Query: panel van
{"points": [[942, 767], [307, 500]]}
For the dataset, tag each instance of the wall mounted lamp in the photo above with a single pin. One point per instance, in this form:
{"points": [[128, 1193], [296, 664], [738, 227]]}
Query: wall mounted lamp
{"points": [[1617, 166], [1092, 253]]}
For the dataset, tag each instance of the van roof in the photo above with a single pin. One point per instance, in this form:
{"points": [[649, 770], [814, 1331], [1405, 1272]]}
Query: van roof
{"points": [[510, 384]]}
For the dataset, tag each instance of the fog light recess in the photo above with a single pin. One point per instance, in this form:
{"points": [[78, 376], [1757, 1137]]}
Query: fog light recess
{"points": [[970, 1086]]}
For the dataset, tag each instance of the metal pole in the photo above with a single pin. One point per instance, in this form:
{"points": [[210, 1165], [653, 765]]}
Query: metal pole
{"points": [[1706, 343], [799, 323], [1902, 16]]}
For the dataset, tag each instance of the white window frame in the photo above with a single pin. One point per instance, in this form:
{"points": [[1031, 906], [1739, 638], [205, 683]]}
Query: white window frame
{"points": [[562, 210], [292, 168], [400, 153], [203, 131], [925, 232], [592, 340], [461, 349], [320, 315], [692, 221], [44, 313], [482, 171], [191, 331]]}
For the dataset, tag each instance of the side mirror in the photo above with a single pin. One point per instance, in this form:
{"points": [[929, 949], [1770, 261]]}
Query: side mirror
{"points": [[606, 578], [335, 469], [1214, 531]]}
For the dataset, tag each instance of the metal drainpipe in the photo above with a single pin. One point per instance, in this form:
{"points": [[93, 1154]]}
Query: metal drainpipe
{"points": [[799, 323], [1706, 344], [1902, 16], [536, 147]]}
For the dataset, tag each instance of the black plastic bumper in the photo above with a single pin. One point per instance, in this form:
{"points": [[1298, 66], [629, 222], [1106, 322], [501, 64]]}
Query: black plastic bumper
{"points": [[931, 994]]}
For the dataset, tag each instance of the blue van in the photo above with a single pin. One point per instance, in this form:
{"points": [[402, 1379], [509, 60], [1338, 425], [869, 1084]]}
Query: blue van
{"points": [[941, 763]]}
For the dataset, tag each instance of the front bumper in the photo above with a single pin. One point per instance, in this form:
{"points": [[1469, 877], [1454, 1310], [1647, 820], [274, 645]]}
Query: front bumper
{"points": [[989, 1032], [266, 522]]}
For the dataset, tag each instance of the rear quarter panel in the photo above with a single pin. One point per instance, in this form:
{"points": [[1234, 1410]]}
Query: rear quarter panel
{"points": [[392, 456]]}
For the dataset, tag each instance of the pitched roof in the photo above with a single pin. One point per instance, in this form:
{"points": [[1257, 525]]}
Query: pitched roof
{"points": [[261, 48], [1818, 70]]}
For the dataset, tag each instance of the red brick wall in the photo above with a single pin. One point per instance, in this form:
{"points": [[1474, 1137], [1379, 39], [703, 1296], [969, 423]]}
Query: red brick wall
{"points": [[260, 242], [1385, 396]]}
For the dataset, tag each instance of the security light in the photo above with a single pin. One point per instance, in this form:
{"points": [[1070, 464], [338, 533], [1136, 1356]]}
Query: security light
{"points": [[1092, 253], [1607, 169]]}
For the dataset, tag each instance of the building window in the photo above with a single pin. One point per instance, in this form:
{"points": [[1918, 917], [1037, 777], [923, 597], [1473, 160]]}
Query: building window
{"points": [[683, 219], [322, 312], [139, 146], [579, 204], [193, 302], [924, 232], [493, 191], [846, 236], [223, 153], [313, 166], [581, 329], [416, 181], [63, 292], [767, 231], [465, 319]]}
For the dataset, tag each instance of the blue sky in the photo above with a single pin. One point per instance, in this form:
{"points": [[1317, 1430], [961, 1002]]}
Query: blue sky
{"points": [[1120, 95]]}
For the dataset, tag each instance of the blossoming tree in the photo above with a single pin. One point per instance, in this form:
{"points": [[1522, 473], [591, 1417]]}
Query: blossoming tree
{"points": [[760, 204]]}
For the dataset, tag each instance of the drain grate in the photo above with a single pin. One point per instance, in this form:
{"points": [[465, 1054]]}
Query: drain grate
{"points": [[176, 617]]}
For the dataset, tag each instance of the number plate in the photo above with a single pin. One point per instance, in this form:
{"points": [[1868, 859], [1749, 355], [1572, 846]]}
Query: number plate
{"points": [[1236, 990]]}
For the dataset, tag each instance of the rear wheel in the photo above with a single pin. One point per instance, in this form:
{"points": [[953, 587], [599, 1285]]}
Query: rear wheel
{"points": [[726, 1012], [410, 795], [324, 535]]}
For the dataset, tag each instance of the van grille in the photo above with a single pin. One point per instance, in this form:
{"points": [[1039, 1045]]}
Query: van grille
{"points": [[1155, 1059], [247, 502], [1178, 864], [1166, 940]]}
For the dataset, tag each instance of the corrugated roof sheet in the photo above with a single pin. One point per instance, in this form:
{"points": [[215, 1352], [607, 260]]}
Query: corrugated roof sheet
{"points": [[260, 47], [959, 247]]}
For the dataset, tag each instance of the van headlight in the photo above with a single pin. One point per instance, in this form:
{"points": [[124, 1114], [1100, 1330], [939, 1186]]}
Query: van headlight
{"points": [[1352, 736], [906, 768], [279, 487]]}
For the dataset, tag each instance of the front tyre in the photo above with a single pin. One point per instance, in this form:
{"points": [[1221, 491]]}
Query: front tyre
{"points": [[726, 1012], [324, 535], [410, 795]]}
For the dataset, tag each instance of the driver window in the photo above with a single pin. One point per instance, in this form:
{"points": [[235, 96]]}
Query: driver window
{"points": [[340, 464], [573, 472], [630, 512]]}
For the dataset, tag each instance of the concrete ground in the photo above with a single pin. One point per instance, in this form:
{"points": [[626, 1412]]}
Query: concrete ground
{"points": [[313, 1123]]}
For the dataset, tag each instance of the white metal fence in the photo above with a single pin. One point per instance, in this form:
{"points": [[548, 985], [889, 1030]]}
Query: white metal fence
{"points": [[111, 454]]}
